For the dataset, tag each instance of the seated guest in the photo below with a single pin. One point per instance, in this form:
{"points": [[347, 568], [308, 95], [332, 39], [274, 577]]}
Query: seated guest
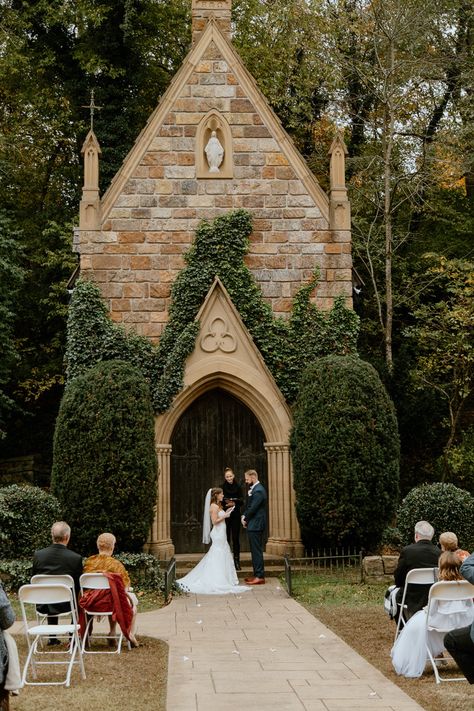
{"points": [[104, 562], [7, 618], [449, 542], [460, 642], [57, 559], [409, 651], [421, 554]]}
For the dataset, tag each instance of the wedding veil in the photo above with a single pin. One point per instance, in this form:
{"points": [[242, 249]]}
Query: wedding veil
{"points": [[206, 519]]}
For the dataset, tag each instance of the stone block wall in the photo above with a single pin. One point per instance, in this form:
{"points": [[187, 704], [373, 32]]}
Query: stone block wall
{"points": [[379, 568], [138, 253]]}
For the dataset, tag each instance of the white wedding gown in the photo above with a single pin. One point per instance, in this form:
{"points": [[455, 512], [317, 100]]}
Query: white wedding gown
{"points": [[215, 573], [409, 654]]}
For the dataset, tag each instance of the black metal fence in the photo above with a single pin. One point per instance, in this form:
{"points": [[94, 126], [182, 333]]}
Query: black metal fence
{"points": [[170, 577], [329, 563]]}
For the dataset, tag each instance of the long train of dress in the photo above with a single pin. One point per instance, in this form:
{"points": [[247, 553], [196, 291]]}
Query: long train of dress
{"points": [[409, 654], [215, 574]]}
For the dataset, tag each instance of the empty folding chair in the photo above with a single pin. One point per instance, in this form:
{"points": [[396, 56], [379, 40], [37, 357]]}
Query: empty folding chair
{"points": [[50, 594], [417, 576], [47, 579], [445, 591]]}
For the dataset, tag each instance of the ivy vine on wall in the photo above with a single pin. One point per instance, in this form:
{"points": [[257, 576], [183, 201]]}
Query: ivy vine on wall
{"points": [[287, 346]]}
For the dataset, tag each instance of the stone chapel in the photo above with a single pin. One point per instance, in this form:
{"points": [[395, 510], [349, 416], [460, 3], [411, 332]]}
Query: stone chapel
{"points": [[212, 145]]}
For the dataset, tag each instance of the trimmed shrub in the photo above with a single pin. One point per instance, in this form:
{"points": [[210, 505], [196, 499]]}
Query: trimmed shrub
{"points": [[345, 451], [445, 506], [15, 573], [144, 570], [26, 516], [104, 465]]}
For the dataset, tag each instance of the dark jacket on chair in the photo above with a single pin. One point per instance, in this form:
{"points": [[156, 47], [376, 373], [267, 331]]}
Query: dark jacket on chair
{"points": [[57, 559], [422, 554]]}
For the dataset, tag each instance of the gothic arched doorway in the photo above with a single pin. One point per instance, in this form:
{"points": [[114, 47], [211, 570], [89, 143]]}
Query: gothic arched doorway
{"points": [[215, 432]]}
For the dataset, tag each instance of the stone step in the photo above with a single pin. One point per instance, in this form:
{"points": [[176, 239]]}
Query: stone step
{"points": [[274, 566]]}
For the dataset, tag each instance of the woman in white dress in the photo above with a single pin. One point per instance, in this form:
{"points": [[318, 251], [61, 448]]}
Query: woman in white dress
{"points": [[215, 574], [409, 654]]}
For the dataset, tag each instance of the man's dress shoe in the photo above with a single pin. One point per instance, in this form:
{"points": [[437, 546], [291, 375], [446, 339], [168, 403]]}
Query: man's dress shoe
{"points": [[255, 581]]}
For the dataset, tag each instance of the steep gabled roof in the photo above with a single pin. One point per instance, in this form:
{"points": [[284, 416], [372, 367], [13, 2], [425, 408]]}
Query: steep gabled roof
{"points": [[212, 34]]}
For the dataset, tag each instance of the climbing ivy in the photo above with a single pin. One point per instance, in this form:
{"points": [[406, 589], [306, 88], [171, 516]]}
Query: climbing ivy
{"points": [[219, 248]]}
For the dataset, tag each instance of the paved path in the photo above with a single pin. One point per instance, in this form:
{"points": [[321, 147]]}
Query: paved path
{"points": [[262, 650]]}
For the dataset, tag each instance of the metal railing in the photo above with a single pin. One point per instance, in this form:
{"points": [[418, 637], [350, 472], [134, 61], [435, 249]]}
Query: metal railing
{"points": [[170, 577], [331, 563], [288, 575]]}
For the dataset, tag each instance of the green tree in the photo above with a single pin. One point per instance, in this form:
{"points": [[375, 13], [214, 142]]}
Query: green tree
{"points": [[51, 56], [444, 334], [404, 80], [104, 469], [345, 453], [11, 276]]}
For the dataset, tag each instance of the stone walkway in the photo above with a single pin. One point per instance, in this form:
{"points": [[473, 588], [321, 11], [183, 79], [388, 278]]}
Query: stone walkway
{"points": [[263, 650]]}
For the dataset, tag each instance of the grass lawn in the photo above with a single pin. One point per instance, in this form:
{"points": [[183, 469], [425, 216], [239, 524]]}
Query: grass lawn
{"points": [[133, 680], [355, 613]]}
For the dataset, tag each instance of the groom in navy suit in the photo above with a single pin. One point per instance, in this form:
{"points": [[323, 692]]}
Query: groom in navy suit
{"points": [[254, 520]]}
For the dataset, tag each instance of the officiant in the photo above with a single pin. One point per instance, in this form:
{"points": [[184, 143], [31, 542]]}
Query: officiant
{"points": [[233, 496]]}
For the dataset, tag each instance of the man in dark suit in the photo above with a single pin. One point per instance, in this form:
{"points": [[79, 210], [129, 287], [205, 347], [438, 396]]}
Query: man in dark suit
{"points": [[255, 520], [460, 642], [421, 554], [57, 559]]}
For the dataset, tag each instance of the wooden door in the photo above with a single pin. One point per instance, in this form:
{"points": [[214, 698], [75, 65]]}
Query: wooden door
{"points": [[216, 431]]}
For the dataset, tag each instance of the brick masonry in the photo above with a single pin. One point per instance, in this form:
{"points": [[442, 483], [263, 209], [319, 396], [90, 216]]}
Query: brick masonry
{"points": [[138, 253]]}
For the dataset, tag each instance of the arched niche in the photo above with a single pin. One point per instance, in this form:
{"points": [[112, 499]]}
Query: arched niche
{"points": [[214, 125]]}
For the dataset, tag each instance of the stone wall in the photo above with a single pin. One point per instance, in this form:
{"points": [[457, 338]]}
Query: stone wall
{"points": [[379, 568], [150, 224]]}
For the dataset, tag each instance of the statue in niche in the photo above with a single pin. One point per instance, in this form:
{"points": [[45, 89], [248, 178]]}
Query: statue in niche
{"points": [[214, 153]]}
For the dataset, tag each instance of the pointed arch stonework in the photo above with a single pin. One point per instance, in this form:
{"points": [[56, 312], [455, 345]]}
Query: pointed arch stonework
{"points": [[225, 356]]}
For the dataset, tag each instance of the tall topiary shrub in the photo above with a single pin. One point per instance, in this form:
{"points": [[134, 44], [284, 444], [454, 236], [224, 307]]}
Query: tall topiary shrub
{"points": [[345, 449], [26, 516], [445, 506], [104, 464]]}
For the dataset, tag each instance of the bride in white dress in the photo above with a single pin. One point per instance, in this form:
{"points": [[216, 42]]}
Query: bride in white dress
{"points": [[215, 574], [409, 654]]}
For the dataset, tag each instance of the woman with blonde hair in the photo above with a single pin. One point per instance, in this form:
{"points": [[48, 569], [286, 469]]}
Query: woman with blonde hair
{"points": [[215, 574], [449, 542], [409, 654]]}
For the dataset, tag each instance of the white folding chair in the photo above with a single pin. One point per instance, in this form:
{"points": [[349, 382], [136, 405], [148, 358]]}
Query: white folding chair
{"points": [[446, 590], [417, 576], [49, 595], [98, 581], [46, 579]]}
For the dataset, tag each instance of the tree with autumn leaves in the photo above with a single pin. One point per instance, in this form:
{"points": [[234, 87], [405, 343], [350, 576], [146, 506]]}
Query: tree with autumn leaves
{"points": [[396, 78]]}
